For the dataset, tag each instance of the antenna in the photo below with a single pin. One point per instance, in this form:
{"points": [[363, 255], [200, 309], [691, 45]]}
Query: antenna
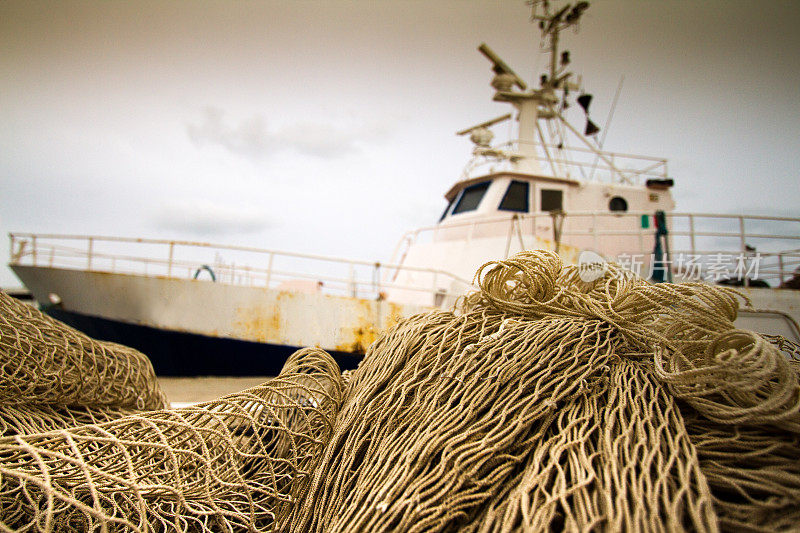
{"points": [[505, 77], [539, 103], [480, 133], [487, 124], [551, 24]]}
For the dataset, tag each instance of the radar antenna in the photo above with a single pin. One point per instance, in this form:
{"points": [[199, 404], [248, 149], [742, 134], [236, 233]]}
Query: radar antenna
{"points": [[542, 103]]}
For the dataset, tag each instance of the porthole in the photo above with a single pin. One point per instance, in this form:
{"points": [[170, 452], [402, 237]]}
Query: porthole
{"points": [[618, 203]]}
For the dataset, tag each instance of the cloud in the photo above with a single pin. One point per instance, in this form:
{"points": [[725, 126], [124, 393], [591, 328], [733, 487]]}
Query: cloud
{"points": [[204, 217], [320, 140], [251, 138]]}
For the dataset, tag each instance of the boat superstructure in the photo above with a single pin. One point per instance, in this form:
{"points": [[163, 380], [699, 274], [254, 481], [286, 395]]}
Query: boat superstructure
{"points": [[549, 187], [197, 308], [553, 187]]}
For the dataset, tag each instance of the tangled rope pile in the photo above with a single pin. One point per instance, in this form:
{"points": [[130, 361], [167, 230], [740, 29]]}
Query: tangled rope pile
{"points": [[53, 375], [543, 402], [228, 464], [549, 403]]}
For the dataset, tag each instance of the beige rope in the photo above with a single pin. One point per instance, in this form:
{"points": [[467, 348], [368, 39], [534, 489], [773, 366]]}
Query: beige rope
{"points": [[47, 362], [593, 468], [550, 403], [542, 402], [233, 463], [39, 418]]}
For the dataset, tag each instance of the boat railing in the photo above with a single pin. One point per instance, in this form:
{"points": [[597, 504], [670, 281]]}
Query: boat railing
{"points": [[572, 162], [708, 246], [228, 264]]}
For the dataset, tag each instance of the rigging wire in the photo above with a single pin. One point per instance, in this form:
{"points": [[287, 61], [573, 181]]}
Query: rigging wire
{"points": [[608, 123]]}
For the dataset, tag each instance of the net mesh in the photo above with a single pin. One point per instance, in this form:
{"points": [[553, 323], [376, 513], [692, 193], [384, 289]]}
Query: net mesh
{"points": [[47, 362], [228, 464], [541, 402]]}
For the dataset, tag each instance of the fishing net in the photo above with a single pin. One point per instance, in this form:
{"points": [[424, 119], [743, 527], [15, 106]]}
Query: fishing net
{"points": [[546, 400], [229, 464], [549, 402], [44, 361], [37, 418]]}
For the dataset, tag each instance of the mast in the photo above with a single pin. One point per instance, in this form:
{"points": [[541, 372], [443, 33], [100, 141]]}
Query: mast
{"points": [[531, 105]]}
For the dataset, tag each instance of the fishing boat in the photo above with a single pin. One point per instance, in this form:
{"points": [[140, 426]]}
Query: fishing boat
{"points": [[201, 309]]}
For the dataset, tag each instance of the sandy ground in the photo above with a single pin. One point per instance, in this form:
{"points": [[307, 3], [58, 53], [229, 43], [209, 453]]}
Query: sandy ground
{"points": [[200, 389]]}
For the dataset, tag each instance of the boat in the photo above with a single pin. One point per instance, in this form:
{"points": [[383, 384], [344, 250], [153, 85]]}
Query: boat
{"points": [[201, 309]]}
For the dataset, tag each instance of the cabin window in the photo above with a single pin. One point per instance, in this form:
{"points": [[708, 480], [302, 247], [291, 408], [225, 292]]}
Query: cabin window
{"points": [[618, 203], [551, 200], [471, 197], [446, 209], [516, 197]]}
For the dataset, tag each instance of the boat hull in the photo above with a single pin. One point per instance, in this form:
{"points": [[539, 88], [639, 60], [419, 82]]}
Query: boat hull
{"points": [[175, 353], [193, 327]]}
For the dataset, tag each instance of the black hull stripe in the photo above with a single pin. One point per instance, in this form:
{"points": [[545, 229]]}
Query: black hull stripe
{"points": [[188, 354]]}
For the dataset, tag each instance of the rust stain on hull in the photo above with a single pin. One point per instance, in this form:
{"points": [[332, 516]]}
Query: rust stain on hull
{"points": [[367, 329], [259, 324], [362, 340], [343, 324]]}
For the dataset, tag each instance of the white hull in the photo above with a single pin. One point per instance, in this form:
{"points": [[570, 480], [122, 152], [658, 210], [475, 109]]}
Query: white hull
{"points": [[291, 319], [253, 314], [778, 312]]}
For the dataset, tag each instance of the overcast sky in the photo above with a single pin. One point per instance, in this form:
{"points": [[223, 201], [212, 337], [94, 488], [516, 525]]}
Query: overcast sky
{"points": [[329, 127]]}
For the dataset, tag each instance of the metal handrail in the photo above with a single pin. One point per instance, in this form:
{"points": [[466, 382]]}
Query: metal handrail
{"points": [[657, 161], [39, 249], [683, 228], [506, 151], [631, 214]]}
